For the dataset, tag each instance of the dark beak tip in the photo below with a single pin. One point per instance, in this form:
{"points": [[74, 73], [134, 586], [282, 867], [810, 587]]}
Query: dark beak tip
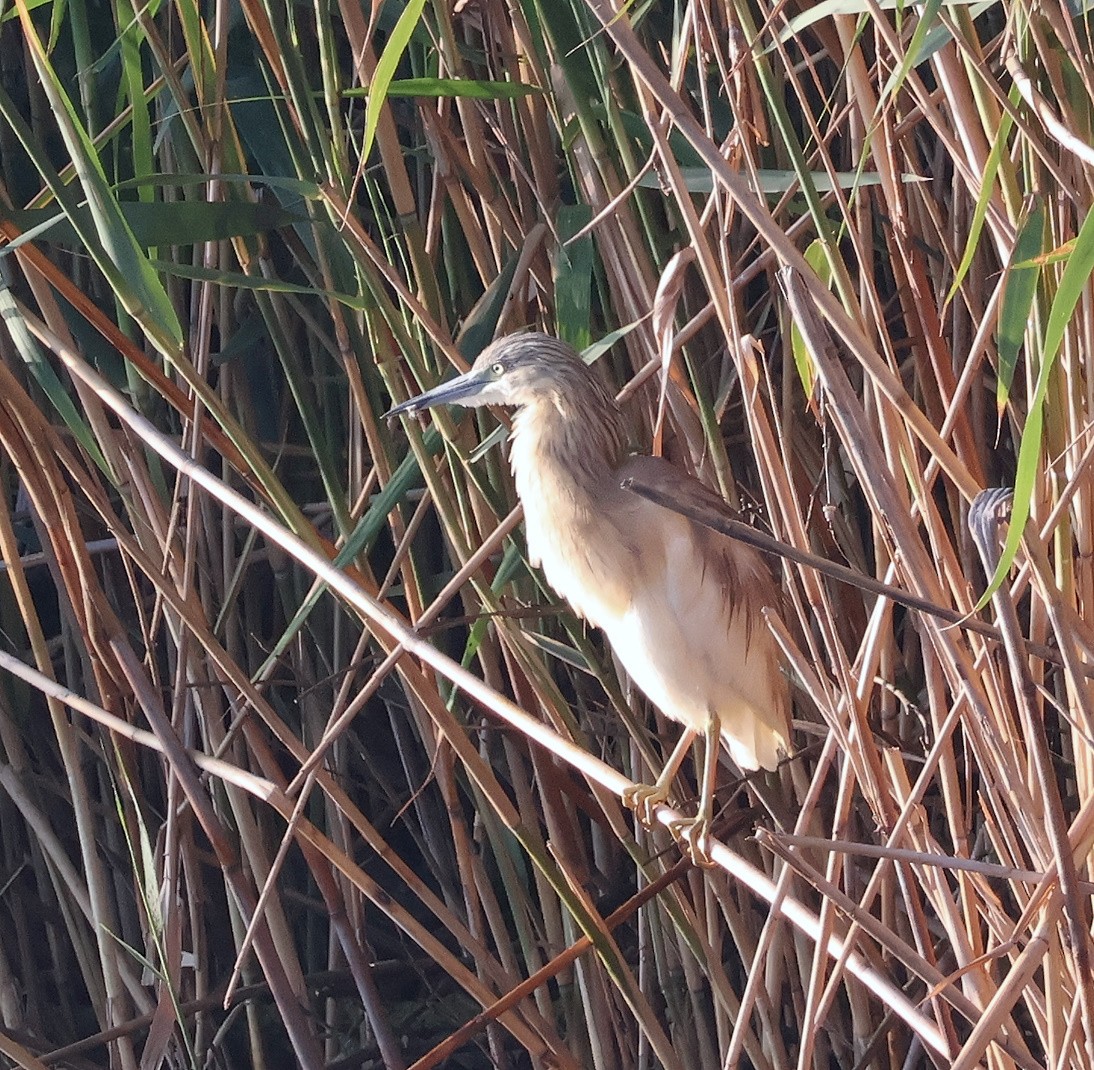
{"points": [[406, 408], [456, 391]]}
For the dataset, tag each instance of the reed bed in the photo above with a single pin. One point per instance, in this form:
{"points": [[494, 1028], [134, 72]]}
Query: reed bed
{"points": [[300, 761]]}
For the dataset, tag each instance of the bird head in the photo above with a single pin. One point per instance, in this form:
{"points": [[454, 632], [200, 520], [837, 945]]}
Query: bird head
{"points": [[515, 371]]}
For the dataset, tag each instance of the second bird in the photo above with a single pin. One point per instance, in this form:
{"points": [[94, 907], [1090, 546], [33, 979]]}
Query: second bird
{"points": [[681, 605]]}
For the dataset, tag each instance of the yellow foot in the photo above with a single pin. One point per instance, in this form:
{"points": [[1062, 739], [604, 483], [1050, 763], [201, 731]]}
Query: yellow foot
{"points": [[693, 835], [643, 799]]}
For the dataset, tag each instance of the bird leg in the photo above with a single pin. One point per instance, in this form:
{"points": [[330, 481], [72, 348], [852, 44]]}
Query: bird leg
{"points": [[643, 798], [694, 832]]}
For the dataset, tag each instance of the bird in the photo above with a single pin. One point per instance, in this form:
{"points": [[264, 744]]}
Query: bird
{"points": [[681, 605]]}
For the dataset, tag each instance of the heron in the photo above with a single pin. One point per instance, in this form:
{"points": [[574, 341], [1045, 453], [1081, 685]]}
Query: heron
{"points": [[681, 605]]}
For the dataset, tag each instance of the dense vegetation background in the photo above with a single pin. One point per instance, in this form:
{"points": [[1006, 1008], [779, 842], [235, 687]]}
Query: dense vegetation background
{"points": [[834, 256]]}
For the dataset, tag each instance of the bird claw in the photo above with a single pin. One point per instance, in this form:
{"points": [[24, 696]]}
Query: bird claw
{"points": [[693, 835], [643, 799]]}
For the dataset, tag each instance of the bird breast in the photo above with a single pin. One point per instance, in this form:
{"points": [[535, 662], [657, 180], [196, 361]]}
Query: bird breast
{"points": [[579, 550], [564, 482]]}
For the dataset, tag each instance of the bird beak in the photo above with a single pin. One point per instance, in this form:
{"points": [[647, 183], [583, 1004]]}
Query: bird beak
{"points": [[458, 391]]}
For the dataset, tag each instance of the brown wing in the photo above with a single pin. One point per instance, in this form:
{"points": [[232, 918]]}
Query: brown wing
{"points": [[738, 563]]}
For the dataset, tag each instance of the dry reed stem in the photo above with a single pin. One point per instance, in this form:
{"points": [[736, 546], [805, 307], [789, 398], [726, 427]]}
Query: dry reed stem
{"points": [[332, 748]]}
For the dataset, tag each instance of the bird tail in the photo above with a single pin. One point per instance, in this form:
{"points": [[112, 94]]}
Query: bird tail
{"points": [[755, 740]]}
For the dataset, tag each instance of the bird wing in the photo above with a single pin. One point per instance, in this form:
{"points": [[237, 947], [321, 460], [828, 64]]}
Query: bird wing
{"points": [[738, 566]]}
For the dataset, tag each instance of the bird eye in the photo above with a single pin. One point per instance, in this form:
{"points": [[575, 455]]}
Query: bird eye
{"points": [[498, 368]]}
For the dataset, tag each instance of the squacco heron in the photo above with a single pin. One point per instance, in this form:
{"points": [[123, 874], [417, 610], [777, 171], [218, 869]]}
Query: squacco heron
{"points": [[681, 605]]}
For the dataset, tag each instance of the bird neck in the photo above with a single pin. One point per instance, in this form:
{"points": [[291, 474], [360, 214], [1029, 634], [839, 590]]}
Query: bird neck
{"points": [[564, 446]]}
